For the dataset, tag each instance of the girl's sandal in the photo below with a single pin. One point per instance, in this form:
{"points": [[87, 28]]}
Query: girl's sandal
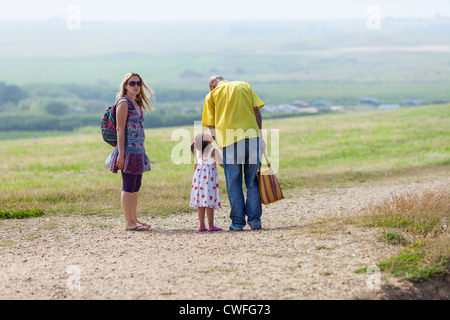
{"points": [[215, 228], [202, 229]]}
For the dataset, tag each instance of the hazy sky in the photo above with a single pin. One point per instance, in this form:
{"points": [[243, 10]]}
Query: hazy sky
{"points": [[157, 10]]}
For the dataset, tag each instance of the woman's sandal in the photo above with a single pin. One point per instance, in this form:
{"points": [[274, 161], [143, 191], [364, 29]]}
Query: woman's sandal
{"points": [[202, 229], [145, 225], [137, 228], [215, 228]]}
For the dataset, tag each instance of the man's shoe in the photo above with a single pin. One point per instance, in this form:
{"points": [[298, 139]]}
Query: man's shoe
{"points": [[233, 228]]}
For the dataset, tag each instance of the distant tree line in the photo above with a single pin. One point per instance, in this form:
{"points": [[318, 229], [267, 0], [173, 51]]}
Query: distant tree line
{"points": [[68, 107], [11, 93], [46, 122]]}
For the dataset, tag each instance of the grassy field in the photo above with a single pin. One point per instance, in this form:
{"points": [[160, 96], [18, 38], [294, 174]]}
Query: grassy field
{"points": [[68, 175]]}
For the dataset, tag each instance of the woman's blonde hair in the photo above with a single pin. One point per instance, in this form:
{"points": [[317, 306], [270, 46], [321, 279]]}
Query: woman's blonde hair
{"points": [[142, 97]]}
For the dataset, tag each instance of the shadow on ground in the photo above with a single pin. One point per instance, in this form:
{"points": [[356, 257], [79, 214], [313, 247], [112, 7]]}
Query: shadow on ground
{"points": [[435, 289]]}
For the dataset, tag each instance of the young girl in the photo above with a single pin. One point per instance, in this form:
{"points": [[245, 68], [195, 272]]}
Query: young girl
{"points": [[205, 182]]}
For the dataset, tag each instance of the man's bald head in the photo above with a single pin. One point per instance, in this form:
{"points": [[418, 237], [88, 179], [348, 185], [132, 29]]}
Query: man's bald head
{"points": [[214, 81]]}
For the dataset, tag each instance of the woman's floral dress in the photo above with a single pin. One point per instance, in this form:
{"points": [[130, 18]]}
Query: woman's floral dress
{"points": [[136, 160]]}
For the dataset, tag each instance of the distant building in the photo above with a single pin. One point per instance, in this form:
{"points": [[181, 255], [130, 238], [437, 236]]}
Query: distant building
{"points": [[371, 101], [300, 104], [287, 108], [322, 103], [411, 102], [337, 108], [388, 107], [309, 110], [439, 102], [270, 109]]}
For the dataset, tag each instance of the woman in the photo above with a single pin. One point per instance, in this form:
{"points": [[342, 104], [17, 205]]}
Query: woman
{"points": [[129, 155]]}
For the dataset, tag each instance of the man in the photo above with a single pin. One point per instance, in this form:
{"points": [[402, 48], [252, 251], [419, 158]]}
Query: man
{"points": [[231, 112]]}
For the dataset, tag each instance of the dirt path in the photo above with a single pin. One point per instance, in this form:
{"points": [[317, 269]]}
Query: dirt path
{"points": [[293, 257]]}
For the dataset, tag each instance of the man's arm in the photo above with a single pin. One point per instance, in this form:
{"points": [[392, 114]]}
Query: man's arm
{"points": [[212, 129], [258, 116]]}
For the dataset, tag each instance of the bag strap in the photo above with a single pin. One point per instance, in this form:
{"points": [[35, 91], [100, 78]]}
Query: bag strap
{"points": [[267, 160], [128, 101], [130, 104]]}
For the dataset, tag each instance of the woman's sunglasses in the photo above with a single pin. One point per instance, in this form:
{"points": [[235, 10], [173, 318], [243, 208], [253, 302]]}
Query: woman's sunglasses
{"points": [[133, 83]]}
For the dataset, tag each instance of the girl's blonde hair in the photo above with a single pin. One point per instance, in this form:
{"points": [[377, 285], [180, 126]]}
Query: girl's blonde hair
{"points": [[142, 97]]}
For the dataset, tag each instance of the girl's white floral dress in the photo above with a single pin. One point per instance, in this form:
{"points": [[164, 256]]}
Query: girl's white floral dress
{"points": [[205, 183]]}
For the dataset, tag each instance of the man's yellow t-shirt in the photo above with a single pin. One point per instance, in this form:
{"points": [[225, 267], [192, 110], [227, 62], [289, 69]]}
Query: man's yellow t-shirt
{"points": [[229, 107]]}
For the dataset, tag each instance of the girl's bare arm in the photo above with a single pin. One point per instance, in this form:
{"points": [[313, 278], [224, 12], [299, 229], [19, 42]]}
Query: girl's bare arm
{"points": [[218, 157]]}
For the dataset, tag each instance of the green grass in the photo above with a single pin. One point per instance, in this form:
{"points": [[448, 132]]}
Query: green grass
{"points": [[21, 214], [394, 238], [362, 147], [14, 135], [68, 174], [322, 248], [414, 265]]}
